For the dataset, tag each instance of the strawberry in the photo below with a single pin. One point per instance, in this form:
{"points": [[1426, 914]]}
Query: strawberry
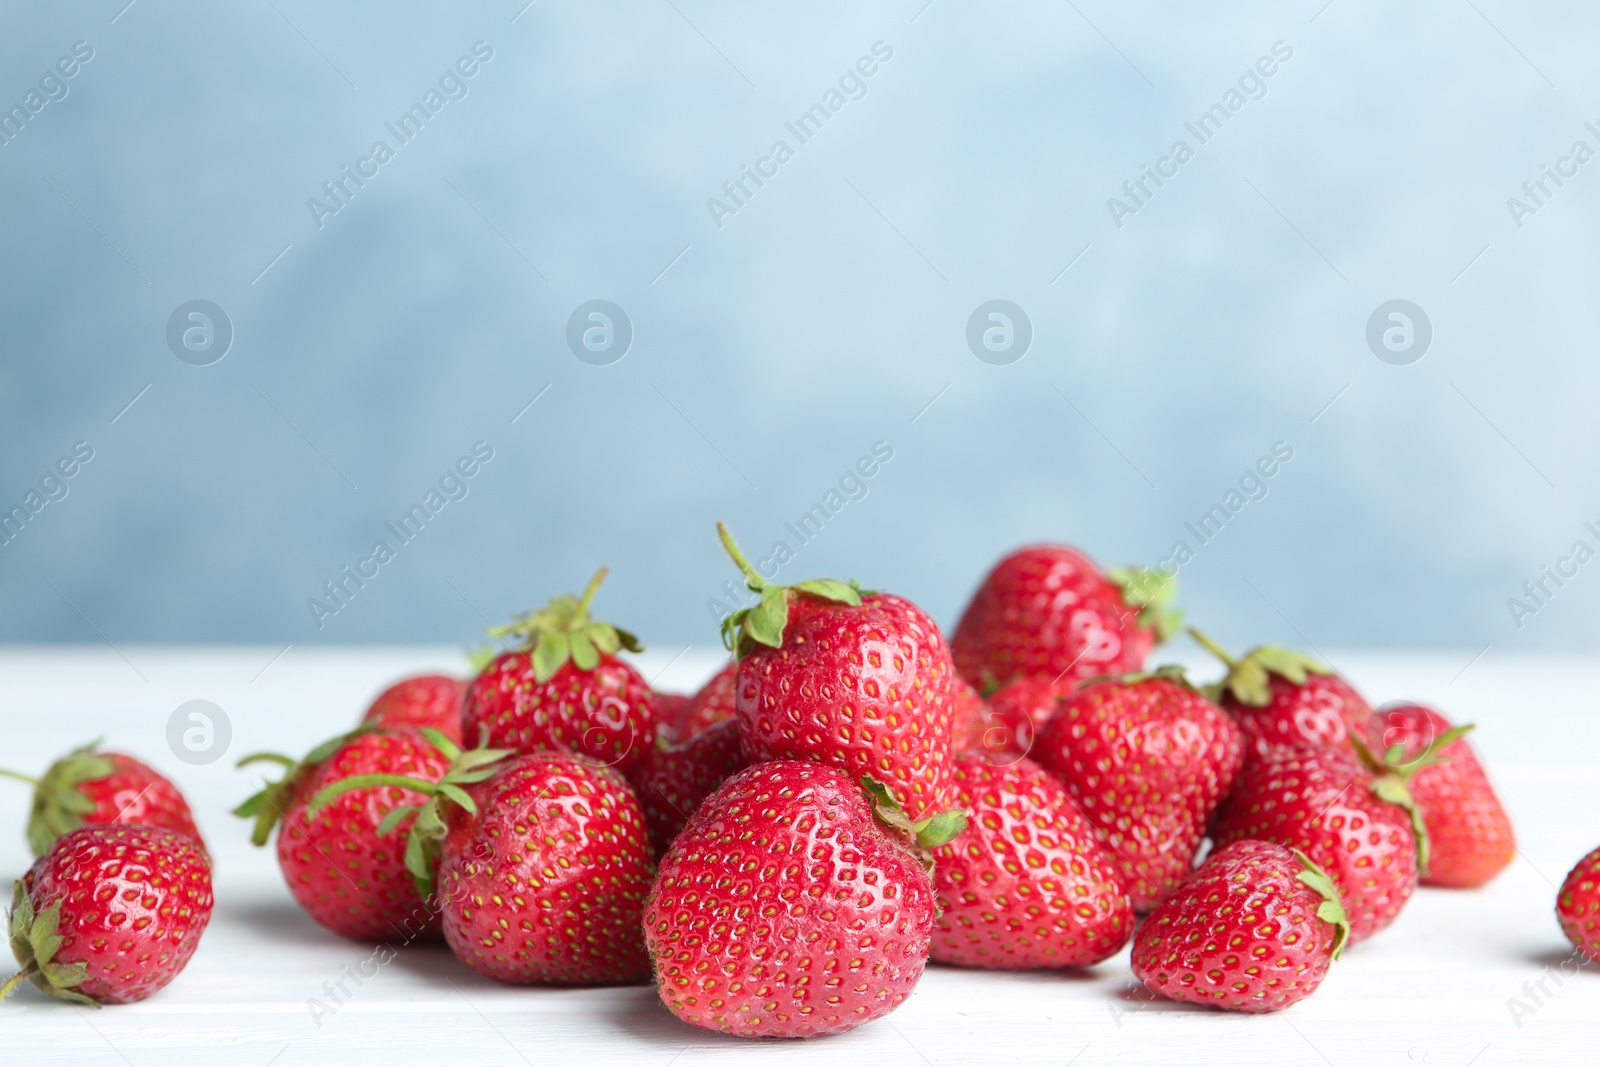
{"points": [[564, 689], [1469, 832], [795, 903], [1254, 929], [1049, 610], [1027, 884], [1363, 829], [1005, 725], [673, 781], [670, 708], [712, 704], [90, 787], [1281, 697], [859, 680], [423, 700], [543, 872], [340, 864], [110, 914], [1578, 906], [1147, 759]]}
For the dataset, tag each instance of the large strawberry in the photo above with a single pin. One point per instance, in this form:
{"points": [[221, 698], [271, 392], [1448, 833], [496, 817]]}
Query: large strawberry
{"points": [[110, 914], [793, 904], [1469, 832], [1026, 884], [673, 781], [87, 787], [1148, 759], [1049, 610], [1578, 906], [564, 689], [859, 680], [542, 875], [1282, 697], [346, 810], [422, 700], [1254, 929], [1362, 828]]}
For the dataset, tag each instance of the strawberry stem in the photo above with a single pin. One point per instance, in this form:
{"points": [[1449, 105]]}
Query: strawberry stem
{"points": [[23, 778], [752, 578], [1212, 647], [17, 979], [588, 594]]}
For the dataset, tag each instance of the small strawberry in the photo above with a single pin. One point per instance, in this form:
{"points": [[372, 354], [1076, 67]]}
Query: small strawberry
{"points": [[1578, 906], [110, 914], [339, 860], [670, 708], [89, 787], [795, 903], [1363, 829], [1049, 610], [712, 704], [673, 781], [1254, 929], [1005, 725], [1469, 832], [1148, 759], [543, 872], [1280, 697], [423, 700], [564, 689], [1027, 884], [859, 680]]}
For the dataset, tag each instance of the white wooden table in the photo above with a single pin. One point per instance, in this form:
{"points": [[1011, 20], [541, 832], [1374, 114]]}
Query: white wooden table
{"points": [[1433, 989]]}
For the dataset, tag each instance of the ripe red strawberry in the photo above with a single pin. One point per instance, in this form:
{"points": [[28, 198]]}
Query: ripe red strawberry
{"points": [[89, 787], [1147, 759], [1026, 884], [110, 914], [543, 875], [1049, 610], [1578, 906], [712, 704], [1280, 697], [1469, 832], [1362, 829], [1005, 725], [673, 781], [1254, 929], [564, 689], [670, 708], [858, 680], [341, 863], [423, 700], [791, 905]]}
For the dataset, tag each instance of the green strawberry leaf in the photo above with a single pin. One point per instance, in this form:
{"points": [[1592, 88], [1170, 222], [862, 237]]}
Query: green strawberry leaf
{"points": [[1151, 591], [1331, 910], [764, 624], [940, 829], [562, 632], [1249, 677]]}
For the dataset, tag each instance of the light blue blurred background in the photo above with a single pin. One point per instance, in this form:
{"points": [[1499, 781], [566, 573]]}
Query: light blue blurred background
{"points": [[824, 316]]}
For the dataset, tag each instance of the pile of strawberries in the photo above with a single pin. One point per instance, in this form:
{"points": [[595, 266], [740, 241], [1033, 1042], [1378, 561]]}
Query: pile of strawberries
{"points": [[852, 796]]}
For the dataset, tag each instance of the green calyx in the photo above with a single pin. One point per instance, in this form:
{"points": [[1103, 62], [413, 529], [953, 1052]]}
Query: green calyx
{"points": [[1331, 910], [562, 631], [267, 806], [1152, 592], [59, 806], [1249, 678], [764, 623], [924, 834], [1392, 774], [1170, 672], [467, 767], [35, 941]]}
